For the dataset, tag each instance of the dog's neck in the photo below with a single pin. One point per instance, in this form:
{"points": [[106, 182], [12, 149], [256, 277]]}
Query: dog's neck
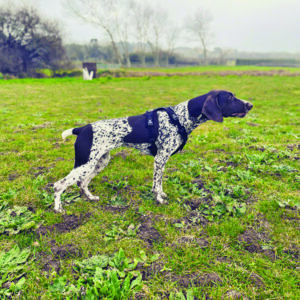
{"points": [[190, 113], [195, 106]]}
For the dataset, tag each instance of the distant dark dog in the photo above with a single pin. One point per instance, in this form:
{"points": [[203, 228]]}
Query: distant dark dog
{"points": [[160, 132]]}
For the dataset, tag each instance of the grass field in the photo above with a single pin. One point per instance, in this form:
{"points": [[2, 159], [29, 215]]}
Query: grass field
{"points": [[230, 230]]}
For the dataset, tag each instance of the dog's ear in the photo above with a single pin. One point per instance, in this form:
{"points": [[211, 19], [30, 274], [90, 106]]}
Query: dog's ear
{"points": [[211, 108]]}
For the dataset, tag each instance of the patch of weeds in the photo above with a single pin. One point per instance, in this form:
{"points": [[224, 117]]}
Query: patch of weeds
{"points": [[268, 156], [98, 277], [283, 169], [242, 136], [116, 232], [8, 195], [122, 189], [70, 196], [38, 185], [245, 175], [247, 140], [146, 260], [260, 158], [16, 219], [194, 218], [147, 197], [235, 160], [193, 167], [290, 203], [228, 200], [213, 212], [12, 271], [116, 185], [189, 295], [186, 189], [118, 200]]}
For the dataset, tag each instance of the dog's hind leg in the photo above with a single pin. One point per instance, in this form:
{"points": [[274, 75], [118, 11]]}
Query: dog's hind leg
{"points": [[102, 163], [76, 176]]}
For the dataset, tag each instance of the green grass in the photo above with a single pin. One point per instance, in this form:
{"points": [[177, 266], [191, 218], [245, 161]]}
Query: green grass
{"points": [[214, 69], [242, 175]]}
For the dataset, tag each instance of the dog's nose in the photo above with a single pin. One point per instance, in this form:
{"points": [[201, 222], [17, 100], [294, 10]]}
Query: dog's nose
{"points": [[249, 106]]}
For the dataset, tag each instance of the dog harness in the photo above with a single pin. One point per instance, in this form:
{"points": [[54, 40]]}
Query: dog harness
{"points": [[173, 119]]}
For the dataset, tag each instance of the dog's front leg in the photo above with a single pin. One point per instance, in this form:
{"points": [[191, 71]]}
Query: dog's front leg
{"points": [[159, 166]]}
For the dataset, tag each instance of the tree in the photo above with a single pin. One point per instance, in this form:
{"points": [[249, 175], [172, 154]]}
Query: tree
{"points": [[27, 42], [158, 19], [142, 14], [198, 28], [171, 38], [150, 27], [104, 14]]}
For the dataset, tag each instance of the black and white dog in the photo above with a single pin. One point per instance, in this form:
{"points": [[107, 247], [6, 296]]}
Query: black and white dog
{"points": [[161, 133]]}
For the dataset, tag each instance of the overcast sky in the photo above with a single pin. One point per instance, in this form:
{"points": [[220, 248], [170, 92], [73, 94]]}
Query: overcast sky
{"points": [[250, 25]]}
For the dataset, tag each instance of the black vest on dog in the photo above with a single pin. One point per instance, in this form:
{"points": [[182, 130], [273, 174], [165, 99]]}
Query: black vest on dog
{"points": [[145, 129]]}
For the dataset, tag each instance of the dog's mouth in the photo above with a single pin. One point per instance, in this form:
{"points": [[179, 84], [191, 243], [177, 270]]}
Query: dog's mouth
{"points": [[239, 115]]}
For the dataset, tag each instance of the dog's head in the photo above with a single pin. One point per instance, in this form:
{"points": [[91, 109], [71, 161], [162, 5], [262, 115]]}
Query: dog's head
{"points": [[223, 104]]}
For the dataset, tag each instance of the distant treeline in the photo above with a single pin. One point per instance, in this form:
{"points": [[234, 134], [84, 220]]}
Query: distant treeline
{"points": [[268, 62], [93, 51]]}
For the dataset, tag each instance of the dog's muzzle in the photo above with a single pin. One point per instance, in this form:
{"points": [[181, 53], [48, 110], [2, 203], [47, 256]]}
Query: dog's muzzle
{"points": [[248, 107]]}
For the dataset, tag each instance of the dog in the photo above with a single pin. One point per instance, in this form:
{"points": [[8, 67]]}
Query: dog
{"points": [[160, 133]]}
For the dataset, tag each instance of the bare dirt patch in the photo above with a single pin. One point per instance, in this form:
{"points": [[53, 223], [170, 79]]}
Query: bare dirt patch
{"points": [[37, 171], [194, 279], [13, 176], [51, 261], [51, 265], [66, 251], [194, 204], [147, 232], [41, 126], [256, 280], [294, 252], [250, 240], [233, 294], [194, 218], [152, 270], [70, 222], [202, 242], [114, 208], [201, 185], [185, 281]]}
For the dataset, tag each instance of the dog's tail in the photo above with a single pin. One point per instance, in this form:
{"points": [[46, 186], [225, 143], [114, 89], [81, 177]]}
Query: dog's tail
{"points": [[67, 133], [74, 131]]}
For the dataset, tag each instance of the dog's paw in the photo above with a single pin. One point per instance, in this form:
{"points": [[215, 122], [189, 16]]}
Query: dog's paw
{"points": [[59, 210], [161, 194], [160, 199], [94, 198], [164, 195]]}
